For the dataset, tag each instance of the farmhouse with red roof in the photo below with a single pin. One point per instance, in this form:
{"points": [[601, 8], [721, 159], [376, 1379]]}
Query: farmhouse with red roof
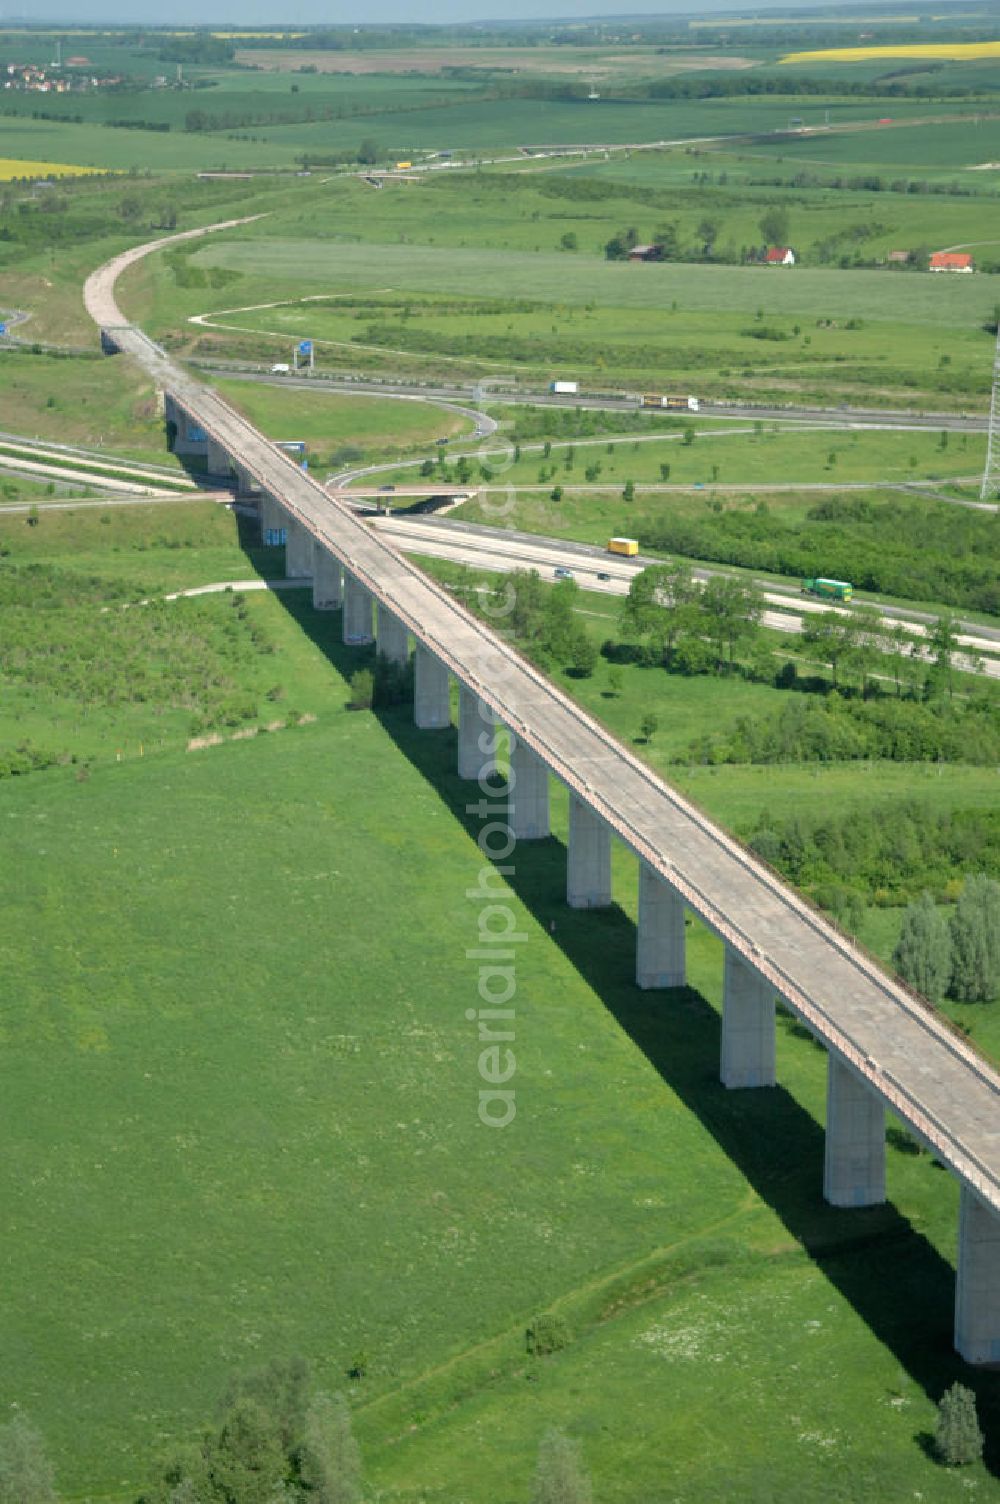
{"points": [[951, 261], [780, 255]]}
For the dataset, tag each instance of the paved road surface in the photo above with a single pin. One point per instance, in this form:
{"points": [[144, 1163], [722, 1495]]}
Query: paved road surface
{"points": [[840, 416]]}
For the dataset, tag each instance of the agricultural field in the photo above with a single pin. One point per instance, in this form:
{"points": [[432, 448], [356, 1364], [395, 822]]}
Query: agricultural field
{"points": [[952, 145], [721, 331], [240, 1082], [12, 168], [972, 52], [675, 346]]}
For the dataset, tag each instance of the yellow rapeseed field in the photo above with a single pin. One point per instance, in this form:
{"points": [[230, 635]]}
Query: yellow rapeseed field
{"points": [[956, 52], [14, 167]]}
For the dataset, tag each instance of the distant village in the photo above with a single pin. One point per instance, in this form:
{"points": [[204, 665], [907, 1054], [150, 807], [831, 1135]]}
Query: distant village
{"points": [[29, 78]]}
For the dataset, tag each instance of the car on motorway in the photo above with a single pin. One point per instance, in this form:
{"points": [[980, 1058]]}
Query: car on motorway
{"points": [[602, 574], [441, 441], [562, 573], [280, 369], [387, 488]]}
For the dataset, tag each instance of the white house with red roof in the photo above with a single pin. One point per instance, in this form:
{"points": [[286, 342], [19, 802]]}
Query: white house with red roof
{"points": [[951, 261], [780, 255]]}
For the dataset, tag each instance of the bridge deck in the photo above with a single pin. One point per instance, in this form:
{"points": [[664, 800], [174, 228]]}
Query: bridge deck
{"points": [[923, 1071]]}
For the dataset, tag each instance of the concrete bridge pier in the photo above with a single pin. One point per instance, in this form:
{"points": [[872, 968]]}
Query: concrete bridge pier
{"points": [[529, 793], [187, 437], [272, 515], [854, 1169], [660, 953], [588, 868], [246, 486], [218, 458], [431, 691], [977, 1290], [747, 1026], [471, 724], [391, 636], [298, 550], [328, 584], [357, 611]]}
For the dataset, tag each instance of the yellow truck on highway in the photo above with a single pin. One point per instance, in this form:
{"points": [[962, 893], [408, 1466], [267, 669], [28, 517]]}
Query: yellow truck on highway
{"points": [[627, 546]]}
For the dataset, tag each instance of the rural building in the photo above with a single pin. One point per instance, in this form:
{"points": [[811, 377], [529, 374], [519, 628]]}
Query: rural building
{"points": [[898, 256], [951, 261], [780, 255], [646, 253]]}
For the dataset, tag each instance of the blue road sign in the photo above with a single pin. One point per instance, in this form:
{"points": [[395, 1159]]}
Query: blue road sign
{"points": [[3, 328], [305, 346]]}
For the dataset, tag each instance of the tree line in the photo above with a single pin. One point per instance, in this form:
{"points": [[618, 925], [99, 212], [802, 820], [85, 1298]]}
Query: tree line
{"points": [[877, 690], [885, 854], [918, 551], [830, 727], [278, 1440]]}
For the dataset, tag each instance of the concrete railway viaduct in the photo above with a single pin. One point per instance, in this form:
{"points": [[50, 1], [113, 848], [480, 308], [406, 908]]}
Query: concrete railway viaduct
{"points": [[886, 1048]]}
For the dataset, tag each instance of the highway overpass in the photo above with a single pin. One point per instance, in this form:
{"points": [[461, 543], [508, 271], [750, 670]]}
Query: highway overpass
{"points": [[886, 1047]]}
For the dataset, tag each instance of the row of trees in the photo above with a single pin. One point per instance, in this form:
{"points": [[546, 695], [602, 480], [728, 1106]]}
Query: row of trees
{"points": [[277, 1442], [958, 955], [691, 627], [774, 228], [867, 182], [276, 1445]]}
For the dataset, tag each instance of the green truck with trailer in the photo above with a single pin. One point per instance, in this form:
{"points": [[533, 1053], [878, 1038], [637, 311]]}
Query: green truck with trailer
{"points": [[829, 590]]}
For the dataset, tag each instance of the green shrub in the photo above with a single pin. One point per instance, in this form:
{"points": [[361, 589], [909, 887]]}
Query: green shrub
{"points": [[546, 1334], [957, 1437]]}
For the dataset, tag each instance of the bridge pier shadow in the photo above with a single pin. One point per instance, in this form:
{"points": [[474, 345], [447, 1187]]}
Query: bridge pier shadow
{"points": [[884, 1266]]}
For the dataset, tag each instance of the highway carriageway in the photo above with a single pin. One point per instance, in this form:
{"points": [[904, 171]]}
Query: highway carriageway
{"points": [[886, 1047], [595, 569], [512, 396]]}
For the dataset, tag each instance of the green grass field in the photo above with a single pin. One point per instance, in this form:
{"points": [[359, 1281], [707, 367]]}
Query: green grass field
{"points": [[805, 333], [632, 347], [950, 145], [327, 421], [274, 1128], [98, 404], [559, 279], [728, 456]]}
